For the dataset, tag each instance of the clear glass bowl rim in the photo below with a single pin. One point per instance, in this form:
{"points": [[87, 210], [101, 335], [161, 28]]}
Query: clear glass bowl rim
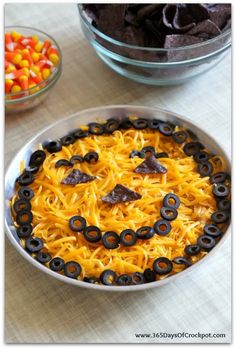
{"points": [[49, 81], [143, 48]]}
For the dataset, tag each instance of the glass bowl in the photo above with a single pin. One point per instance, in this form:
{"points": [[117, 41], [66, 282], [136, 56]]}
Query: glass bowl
{"points": [[161, 66], [67, 125], [27, 99]]}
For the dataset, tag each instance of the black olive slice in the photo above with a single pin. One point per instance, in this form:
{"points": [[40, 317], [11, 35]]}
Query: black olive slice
{"points": [[192, 250], [224, 204], [25, 193], [21, 204], [192, 148], [171, 200], [145, 232], [182, 260], [161, 155], [219, 217], [136, 153], [165, 129], [72, 269], [201, 156], [92, 234], [53, 146], [206, 242], [24, 217], [148, 151], [205, 168], [149, 275], [219, 177], [128, 237], [91, 280], [80, 134], [56, 264], [162, 227], [77, 223], [111, 240], [111, 125], [140, 124], [212, 230], [24, 231], [137, 278], [108, 277], [95, 128], [63, 162], [162, 266], [125, 124], [76, 158], [91, 157], [37, 158], [124, 280], [168, 213], [43, 257], [154, 124], [67, 140], [220, 190], [25, 178], [179, 137], [33, 244]]}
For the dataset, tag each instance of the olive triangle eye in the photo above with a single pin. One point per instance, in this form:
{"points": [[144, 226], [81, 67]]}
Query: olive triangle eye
{"points": [[91, 157], [147, 152]]}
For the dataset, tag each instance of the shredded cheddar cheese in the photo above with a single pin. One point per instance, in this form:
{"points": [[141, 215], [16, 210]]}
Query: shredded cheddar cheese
{"points": [[54, 203]]}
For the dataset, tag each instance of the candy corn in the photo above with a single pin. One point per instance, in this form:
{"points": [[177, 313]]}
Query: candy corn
{"points": [[15, 88], [24, 82], [15, 36], [13, 57], [46, 73], [28, 62], [8, 85], [46, 46]]}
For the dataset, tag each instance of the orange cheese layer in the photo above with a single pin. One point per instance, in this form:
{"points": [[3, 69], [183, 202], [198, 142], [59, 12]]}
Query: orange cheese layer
{"points": [[54, 203]]}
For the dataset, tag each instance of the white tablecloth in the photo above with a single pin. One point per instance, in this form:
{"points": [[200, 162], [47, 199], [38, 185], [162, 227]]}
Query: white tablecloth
{"points": [[40, 309]]}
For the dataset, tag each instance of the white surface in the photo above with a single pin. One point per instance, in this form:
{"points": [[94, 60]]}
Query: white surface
{"points": [[42, 310]]}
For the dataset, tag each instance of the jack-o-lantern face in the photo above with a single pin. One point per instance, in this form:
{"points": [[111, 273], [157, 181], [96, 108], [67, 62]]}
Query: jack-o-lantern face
{"points": [[122, 203]]}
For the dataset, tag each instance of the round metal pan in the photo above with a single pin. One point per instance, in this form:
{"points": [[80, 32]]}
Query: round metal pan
{"points": [[72, 122]]}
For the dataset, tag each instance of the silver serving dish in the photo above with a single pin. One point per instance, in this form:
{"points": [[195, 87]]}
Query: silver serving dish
{"points": [[68, 124]]}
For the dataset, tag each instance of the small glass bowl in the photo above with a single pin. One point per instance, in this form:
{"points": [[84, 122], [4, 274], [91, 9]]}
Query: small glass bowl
{"points": [[27, 99], [161, 66]]}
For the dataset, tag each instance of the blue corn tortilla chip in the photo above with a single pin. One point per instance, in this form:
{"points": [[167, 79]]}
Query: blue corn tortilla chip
{"points": [[219, 14], [172, 41], [76, 177], [160, 26], [205, 29], [199, 12], [130, 35], [121, 194], [183, 19], [111, 18], [148, 10], [131, 18], [150, 165], [227, 25], [179, 40], [150, 27]]}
